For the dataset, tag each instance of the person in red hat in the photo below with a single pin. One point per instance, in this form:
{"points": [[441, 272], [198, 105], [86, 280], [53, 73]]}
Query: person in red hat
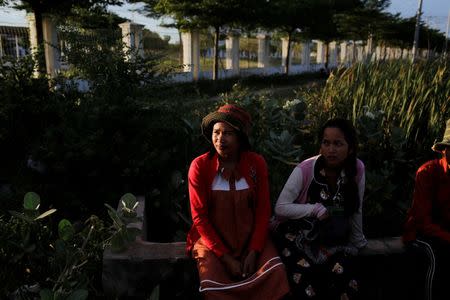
{"points": [[229, 197], [427, 225]]}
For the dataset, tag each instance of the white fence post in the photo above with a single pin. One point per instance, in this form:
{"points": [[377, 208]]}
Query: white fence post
{"points": [[232, 52], [191, 52], [263, 50], [333, 54], [306, 54], [343, 53], [284, 53], [320, 52], [369, 49], [51, 51], [132, 39]]}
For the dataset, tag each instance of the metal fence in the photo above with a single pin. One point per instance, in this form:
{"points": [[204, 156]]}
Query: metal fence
{"points": [[14, 42]]}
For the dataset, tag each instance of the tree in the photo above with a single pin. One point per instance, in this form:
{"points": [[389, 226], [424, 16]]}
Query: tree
{"points": [[287, 17], [152, 41], [368, 21], [200, 14], [400, 33], [312, 18], [323, 26], [56, 7], [150, 11]]}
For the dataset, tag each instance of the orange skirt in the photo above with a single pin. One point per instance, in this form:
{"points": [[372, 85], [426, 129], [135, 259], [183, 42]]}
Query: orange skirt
{"points": [[268, 282]]}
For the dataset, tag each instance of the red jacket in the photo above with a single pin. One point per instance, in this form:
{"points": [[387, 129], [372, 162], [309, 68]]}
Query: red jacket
{"points": [[202, 171], [430, 212]]}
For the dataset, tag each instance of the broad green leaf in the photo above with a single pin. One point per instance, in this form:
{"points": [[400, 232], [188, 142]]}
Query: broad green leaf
{"points": [[129, 200], [31, 201], [65, 230]]}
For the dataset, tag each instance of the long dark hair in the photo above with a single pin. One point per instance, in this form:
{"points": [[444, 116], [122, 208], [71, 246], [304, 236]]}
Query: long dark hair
{"points": [[352, 201]]}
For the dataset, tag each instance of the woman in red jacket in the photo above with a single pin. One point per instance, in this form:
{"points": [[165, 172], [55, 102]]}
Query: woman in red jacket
{"points": [[427, 226], [229, 196]]}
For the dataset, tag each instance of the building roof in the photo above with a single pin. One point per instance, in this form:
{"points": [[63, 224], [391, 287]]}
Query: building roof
{"points": [[13, 30]]}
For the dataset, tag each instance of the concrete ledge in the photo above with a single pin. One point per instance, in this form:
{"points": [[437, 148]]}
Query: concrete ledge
{"points": [[148, 251], [142, 250], [144, 265], [136, 271]]}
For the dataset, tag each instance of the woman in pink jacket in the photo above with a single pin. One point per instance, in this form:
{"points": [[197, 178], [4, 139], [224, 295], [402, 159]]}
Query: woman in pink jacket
{"points": [[319, 212]]}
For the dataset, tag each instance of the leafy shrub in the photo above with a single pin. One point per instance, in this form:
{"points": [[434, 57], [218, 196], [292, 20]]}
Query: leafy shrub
{"points": [[62, 262], [123, 234], [34, 257]]}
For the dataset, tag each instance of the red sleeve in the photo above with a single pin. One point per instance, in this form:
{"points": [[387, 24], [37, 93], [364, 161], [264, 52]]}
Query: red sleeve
{"points": [[422, 206], [262, 210], [198, 194]]}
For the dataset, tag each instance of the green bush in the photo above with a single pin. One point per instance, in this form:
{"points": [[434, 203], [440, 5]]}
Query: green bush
{"points": [[58, 259], [54, 263]]}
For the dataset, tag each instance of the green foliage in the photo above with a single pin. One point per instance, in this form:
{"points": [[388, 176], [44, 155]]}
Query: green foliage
{"points": [[31, 203], [129, 204], [123, 233], [27, 109], [23, 249], [127, 133], [55, 264], [414, 97], [70, 278], [389, 173], [65, 230]]}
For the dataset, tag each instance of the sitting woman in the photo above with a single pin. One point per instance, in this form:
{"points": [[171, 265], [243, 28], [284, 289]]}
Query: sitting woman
{"points": [[229, 196], [319, 217]]}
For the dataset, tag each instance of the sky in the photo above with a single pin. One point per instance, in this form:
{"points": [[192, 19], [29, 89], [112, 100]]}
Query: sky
{"points": [[435, 14]]}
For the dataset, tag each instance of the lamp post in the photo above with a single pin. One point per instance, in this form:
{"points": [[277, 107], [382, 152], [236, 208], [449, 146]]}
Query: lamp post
{"points": [[416, 32], [446, 33]]}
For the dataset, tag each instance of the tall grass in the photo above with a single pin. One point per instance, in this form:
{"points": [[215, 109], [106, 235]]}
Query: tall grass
{"points": [[414, 97]]}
